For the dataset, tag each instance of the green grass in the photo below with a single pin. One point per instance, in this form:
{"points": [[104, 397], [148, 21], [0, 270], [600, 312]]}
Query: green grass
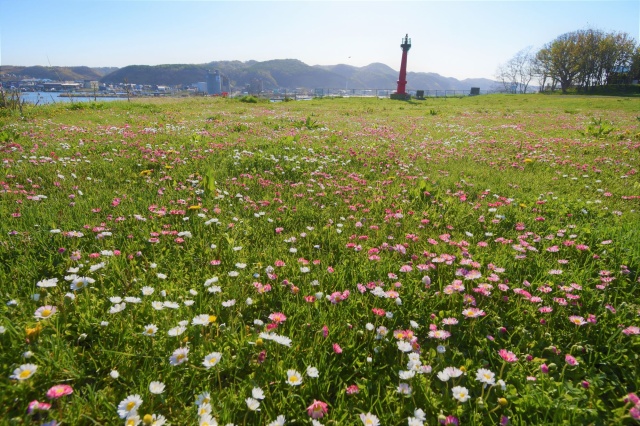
{"points": [[536, 197]]}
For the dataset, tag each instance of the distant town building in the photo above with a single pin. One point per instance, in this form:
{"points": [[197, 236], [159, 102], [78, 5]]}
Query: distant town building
{"points": [[91, 84], [61, 86], [214, 82]]}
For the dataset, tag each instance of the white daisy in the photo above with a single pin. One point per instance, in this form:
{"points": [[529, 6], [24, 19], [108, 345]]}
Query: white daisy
{"points": [[312, 372], [212, 359], [129, 406], [24, 372], [253, 404], [50, 282], [294, 378], [180, 356], [156, 387]]}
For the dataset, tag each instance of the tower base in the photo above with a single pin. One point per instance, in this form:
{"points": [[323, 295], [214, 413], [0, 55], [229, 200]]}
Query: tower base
{"points": [[400, 96]]}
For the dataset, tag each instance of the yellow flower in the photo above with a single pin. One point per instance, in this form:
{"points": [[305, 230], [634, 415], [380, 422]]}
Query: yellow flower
{"points": [[502, 401], [33, 332], [195, 207], [259, 342], [528, 160]]}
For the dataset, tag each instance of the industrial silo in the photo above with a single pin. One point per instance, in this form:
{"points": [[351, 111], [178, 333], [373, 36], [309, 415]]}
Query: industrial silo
{"points": [[214, 82]]}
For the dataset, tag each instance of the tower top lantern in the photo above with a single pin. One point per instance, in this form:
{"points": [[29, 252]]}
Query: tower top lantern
{"points": [[406, 43]]}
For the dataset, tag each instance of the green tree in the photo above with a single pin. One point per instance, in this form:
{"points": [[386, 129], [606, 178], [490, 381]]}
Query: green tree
{"points": [[584, 58], [560, 58]]}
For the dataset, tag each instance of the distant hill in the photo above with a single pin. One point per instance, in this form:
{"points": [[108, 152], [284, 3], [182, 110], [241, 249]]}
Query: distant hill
{"points": [[157, 75], [104, 70], [292, 73], [9, 72], [274, 74], [381, 76]]}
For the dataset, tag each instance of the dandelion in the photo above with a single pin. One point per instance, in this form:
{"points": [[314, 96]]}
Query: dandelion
{"points": [[24, 372], [212, 359], [460, 393], [156, 387], [179, 356], [317, 409], [129, 406], [45, 312], [294, 378]]}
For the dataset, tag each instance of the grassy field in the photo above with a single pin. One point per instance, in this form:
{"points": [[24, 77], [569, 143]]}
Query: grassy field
{"points": [[335, 261]]}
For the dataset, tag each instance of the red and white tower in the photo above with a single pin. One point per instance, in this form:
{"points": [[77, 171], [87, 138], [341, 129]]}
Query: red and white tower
{"points": [[401, 91]]}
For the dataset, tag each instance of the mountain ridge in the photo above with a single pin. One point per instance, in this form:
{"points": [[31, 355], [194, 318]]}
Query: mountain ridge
{"points": [[272, 74]]}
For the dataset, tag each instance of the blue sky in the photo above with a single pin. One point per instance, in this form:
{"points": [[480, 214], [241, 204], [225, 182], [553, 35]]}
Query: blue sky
{"points": [[460, 39]]}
